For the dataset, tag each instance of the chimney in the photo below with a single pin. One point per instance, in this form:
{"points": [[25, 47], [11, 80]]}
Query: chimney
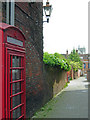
{"points": [[66, 52], [76, 51]]}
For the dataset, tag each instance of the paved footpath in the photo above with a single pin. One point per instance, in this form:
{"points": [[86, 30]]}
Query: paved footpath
{"points": [[72, 102]]}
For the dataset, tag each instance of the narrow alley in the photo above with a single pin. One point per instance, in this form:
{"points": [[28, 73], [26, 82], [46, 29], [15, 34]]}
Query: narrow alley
{"points": [[72, 102]]}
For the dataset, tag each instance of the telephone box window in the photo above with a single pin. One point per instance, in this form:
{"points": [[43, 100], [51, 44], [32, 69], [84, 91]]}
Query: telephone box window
{"points": [[16, 100], [17, 113], [14, 41], [16, 87], [16, 92], [16, 61], [16, 75]]}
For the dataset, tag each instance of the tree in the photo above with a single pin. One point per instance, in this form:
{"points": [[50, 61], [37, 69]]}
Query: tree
{"points": [[75, 60]]}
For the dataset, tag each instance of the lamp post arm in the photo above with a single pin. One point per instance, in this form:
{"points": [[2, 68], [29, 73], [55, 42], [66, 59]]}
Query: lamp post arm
{"points": [[47, 20]]}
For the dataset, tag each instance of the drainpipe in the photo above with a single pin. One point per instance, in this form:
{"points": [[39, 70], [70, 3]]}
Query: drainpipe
{"points": [[7, 12], [12, 12]]}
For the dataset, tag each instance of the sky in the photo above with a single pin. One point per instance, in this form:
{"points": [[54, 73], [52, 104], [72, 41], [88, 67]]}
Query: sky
{"points": [[67, 27]]}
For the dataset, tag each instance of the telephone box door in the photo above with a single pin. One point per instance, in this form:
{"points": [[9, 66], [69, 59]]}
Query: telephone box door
{"points": [[16, 85]]}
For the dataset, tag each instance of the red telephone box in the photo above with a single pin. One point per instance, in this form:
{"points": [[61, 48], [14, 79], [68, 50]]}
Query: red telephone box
{"points": [[12, 73]]}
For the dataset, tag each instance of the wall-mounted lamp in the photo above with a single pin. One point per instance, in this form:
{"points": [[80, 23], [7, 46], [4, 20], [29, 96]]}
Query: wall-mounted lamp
{"points": [[48, 10]]}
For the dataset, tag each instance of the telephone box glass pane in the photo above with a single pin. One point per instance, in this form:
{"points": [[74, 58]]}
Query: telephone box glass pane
{"points": [[16, 87], [17, 113], [14, 41], [16, 100], [16, 61], [16, 75]]}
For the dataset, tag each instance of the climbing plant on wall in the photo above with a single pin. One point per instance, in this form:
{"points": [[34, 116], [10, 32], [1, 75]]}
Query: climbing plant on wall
{"points": [[56, 60]]}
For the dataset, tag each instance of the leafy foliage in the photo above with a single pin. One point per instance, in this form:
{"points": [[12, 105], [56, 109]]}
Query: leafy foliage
{"points": [[56, 60], [75, 60]]}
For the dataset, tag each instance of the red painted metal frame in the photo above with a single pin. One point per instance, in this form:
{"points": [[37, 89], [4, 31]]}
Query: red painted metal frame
{"points": [[17, 81], [11, 84], [22, 68], [17, 107], [3, 75], [17, 94], [8, 50]]}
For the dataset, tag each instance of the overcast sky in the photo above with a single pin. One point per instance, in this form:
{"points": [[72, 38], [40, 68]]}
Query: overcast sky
{"points": [[68, 26]]}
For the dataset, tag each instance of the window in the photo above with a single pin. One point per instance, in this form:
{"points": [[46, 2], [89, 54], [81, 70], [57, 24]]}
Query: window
{"points": [[89, 65], [16, 87], [14, 41], [84, 65]]}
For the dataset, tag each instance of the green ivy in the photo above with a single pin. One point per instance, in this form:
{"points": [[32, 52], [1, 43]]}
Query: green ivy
{"points": [[56, 60]]}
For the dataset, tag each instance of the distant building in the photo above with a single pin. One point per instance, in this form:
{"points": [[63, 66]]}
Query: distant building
{"points": [[81, 50], [84, 58]]}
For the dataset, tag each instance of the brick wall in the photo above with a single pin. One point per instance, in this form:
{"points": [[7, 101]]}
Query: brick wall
{"points": [[54, 81], [0, 11], [29, 19]]}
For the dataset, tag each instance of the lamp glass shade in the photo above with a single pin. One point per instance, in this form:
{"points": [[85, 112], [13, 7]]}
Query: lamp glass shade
{"points": [[48, 10]]}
